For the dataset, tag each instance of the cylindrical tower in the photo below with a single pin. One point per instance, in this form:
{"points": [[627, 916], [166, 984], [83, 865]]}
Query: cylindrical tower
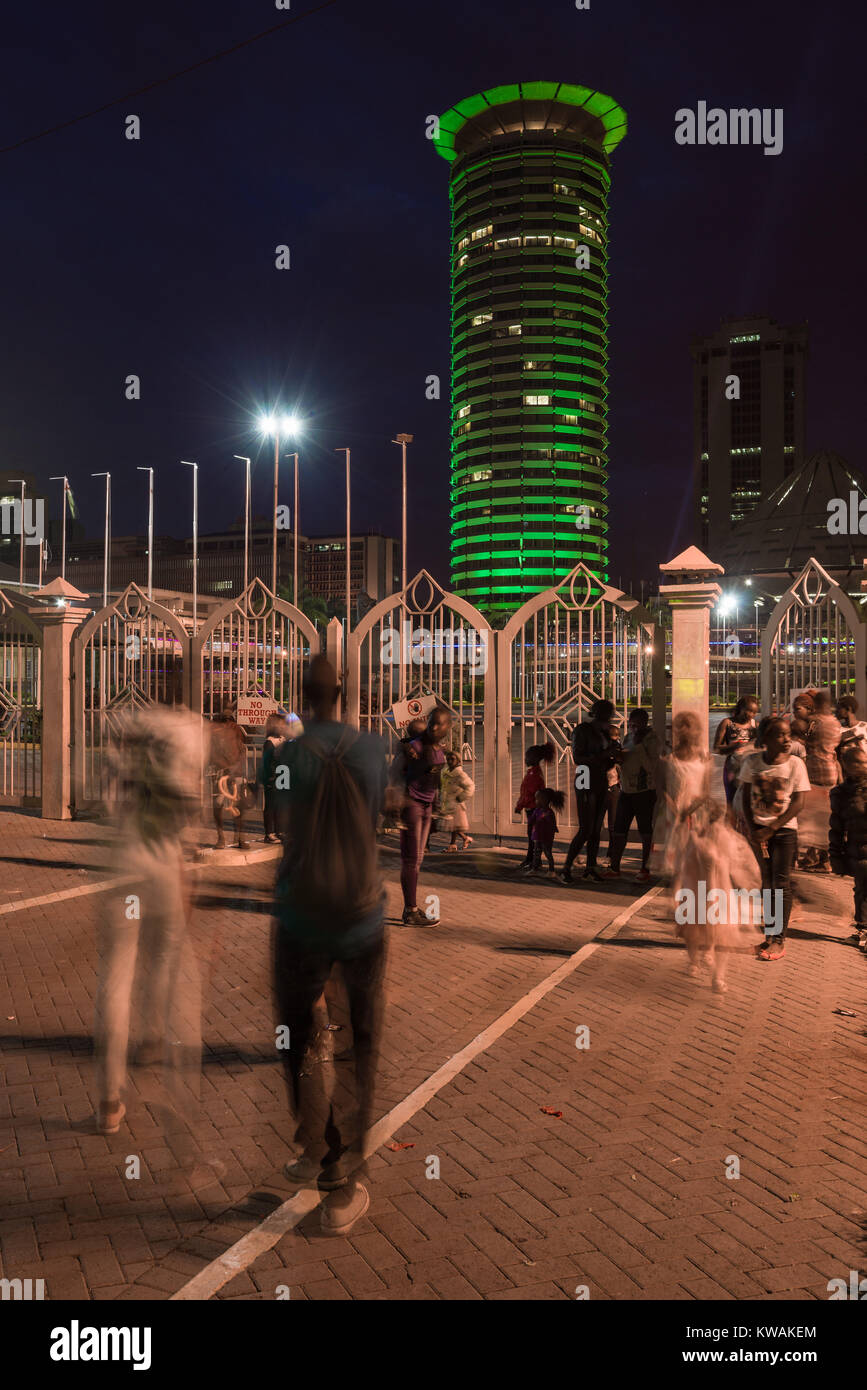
{"points": [[529, 277]]}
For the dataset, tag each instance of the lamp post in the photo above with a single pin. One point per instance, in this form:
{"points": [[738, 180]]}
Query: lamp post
{"points": [[195, 468], [62, 478], [150, 530], [348, 540], [107, 540], [295, 533], [403, 440], [244, 459], [275, 427], [23, 483]]}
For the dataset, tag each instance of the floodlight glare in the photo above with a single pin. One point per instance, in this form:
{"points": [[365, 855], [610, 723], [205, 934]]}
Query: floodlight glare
{"points": [[267, 424], [290, 424]]}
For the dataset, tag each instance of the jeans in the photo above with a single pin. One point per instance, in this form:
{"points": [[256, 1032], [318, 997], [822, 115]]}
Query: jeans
{"points": [[416, 817], [776, 870], [591, 806], [300, 975]]}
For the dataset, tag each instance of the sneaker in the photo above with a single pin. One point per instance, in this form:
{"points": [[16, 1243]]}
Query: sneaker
{"points": [[610, 873], [595, 875], [110, 1115], [563, 877], [414, 917], [270, 840], [526, 869], [339, 1220], [720, 987], [643, 876]]}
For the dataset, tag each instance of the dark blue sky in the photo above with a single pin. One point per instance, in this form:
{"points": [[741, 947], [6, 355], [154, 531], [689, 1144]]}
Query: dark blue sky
{"points": [[156, 257]]}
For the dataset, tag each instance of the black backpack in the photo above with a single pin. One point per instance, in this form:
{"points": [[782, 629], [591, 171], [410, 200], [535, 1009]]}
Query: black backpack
{"points": [[332, 842]]}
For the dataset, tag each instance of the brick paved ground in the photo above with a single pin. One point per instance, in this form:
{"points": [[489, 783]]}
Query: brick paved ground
{"points": [[626, 1194]]}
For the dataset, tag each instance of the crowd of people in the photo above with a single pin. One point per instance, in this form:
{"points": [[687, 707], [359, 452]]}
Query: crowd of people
{"points": [[791, 783]]}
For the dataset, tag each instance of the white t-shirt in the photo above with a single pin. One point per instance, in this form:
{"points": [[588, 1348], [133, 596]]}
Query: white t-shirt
{"points": [[772, 786]]}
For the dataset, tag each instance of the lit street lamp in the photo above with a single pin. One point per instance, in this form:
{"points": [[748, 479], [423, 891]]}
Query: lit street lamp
{"points": [[276, 427]]}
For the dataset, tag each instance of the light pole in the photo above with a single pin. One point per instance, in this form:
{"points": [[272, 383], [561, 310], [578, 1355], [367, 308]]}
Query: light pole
{"points": [[107, 541], [62, 478], [348, 538], [274, 426], [23, 483], [195, 468], [150, 530], [244, 459], [295, 533], [403, 440]]}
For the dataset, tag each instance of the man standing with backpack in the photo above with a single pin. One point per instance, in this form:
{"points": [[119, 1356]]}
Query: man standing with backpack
{"points": [[330, 911]]}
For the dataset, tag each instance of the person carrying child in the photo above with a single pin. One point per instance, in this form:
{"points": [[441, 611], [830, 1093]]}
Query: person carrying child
{"points": [[534, 781], [543, 828]]}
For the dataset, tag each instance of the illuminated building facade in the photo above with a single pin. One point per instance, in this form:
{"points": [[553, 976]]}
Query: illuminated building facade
{"points": [[529, 323]]}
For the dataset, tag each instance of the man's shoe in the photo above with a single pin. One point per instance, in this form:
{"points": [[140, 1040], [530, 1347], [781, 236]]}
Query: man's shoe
{"points": [[563, 877], [594, 874], [643, 876], [610, 873], [339, 1220]]}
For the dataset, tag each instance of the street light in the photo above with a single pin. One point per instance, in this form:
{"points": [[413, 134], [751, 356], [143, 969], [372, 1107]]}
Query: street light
{"points": [[195, 468], [348, 541], [244, 459], [403, 440], [62, 478], [150, 530], [275, 427], [107, 540]]}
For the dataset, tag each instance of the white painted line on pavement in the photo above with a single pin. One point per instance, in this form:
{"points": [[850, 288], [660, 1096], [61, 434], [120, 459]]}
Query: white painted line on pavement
{"points": [[64, 893], [266, 1235]]}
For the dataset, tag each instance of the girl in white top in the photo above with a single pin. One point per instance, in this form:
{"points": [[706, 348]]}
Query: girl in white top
{"points": [[456, 788], [683, 778]]}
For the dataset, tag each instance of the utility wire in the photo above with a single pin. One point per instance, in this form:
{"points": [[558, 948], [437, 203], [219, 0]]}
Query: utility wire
{"points": [[171, 77]]}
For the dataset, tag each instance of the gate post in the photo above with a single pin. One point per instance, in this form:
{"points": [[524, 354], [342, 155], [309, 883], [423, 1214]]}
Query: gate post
{"points": [[692, 593], [334, 653], [58, 624]]}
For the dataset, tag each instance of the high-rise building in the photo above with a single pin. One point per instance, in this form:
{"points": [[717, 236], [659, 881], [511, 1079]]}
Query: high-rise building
{"points": [[749, 386], [529, 321]]}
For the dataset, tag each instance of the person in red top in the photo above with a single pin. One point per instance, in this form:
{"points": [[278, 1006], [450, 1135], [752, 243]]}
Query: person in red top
{"points": [[534, 781]]}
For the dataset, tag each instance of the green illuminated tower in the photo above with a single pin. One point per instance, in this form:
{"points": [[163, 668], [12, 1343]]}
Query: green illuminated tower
{"points": [[529, 276]]}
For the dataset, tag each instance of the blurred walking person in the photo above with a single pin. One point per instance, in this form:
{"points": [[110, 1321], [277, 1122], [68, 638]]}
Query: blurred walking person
{"points": [[144, 930], [330, 917], [823, 769], [638, 763]]}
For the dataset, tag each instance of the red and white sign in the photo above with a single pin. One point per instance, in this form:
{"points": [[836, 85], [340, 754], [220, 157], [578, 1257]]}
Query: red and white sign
{"points": [[404, 711], [253, 711]]}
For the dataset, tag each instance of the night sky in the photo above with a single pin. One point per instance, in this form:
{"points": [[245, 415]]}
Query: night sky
{"points": [[156, 257]]}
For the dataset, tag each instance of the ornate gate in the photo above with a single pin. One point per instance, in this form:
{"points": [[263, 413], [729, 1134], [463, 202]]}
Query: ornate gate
{"points": [[426, 642], [564, 649], [814, 637], [132, 653], [251, 645], [20, 704]]}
